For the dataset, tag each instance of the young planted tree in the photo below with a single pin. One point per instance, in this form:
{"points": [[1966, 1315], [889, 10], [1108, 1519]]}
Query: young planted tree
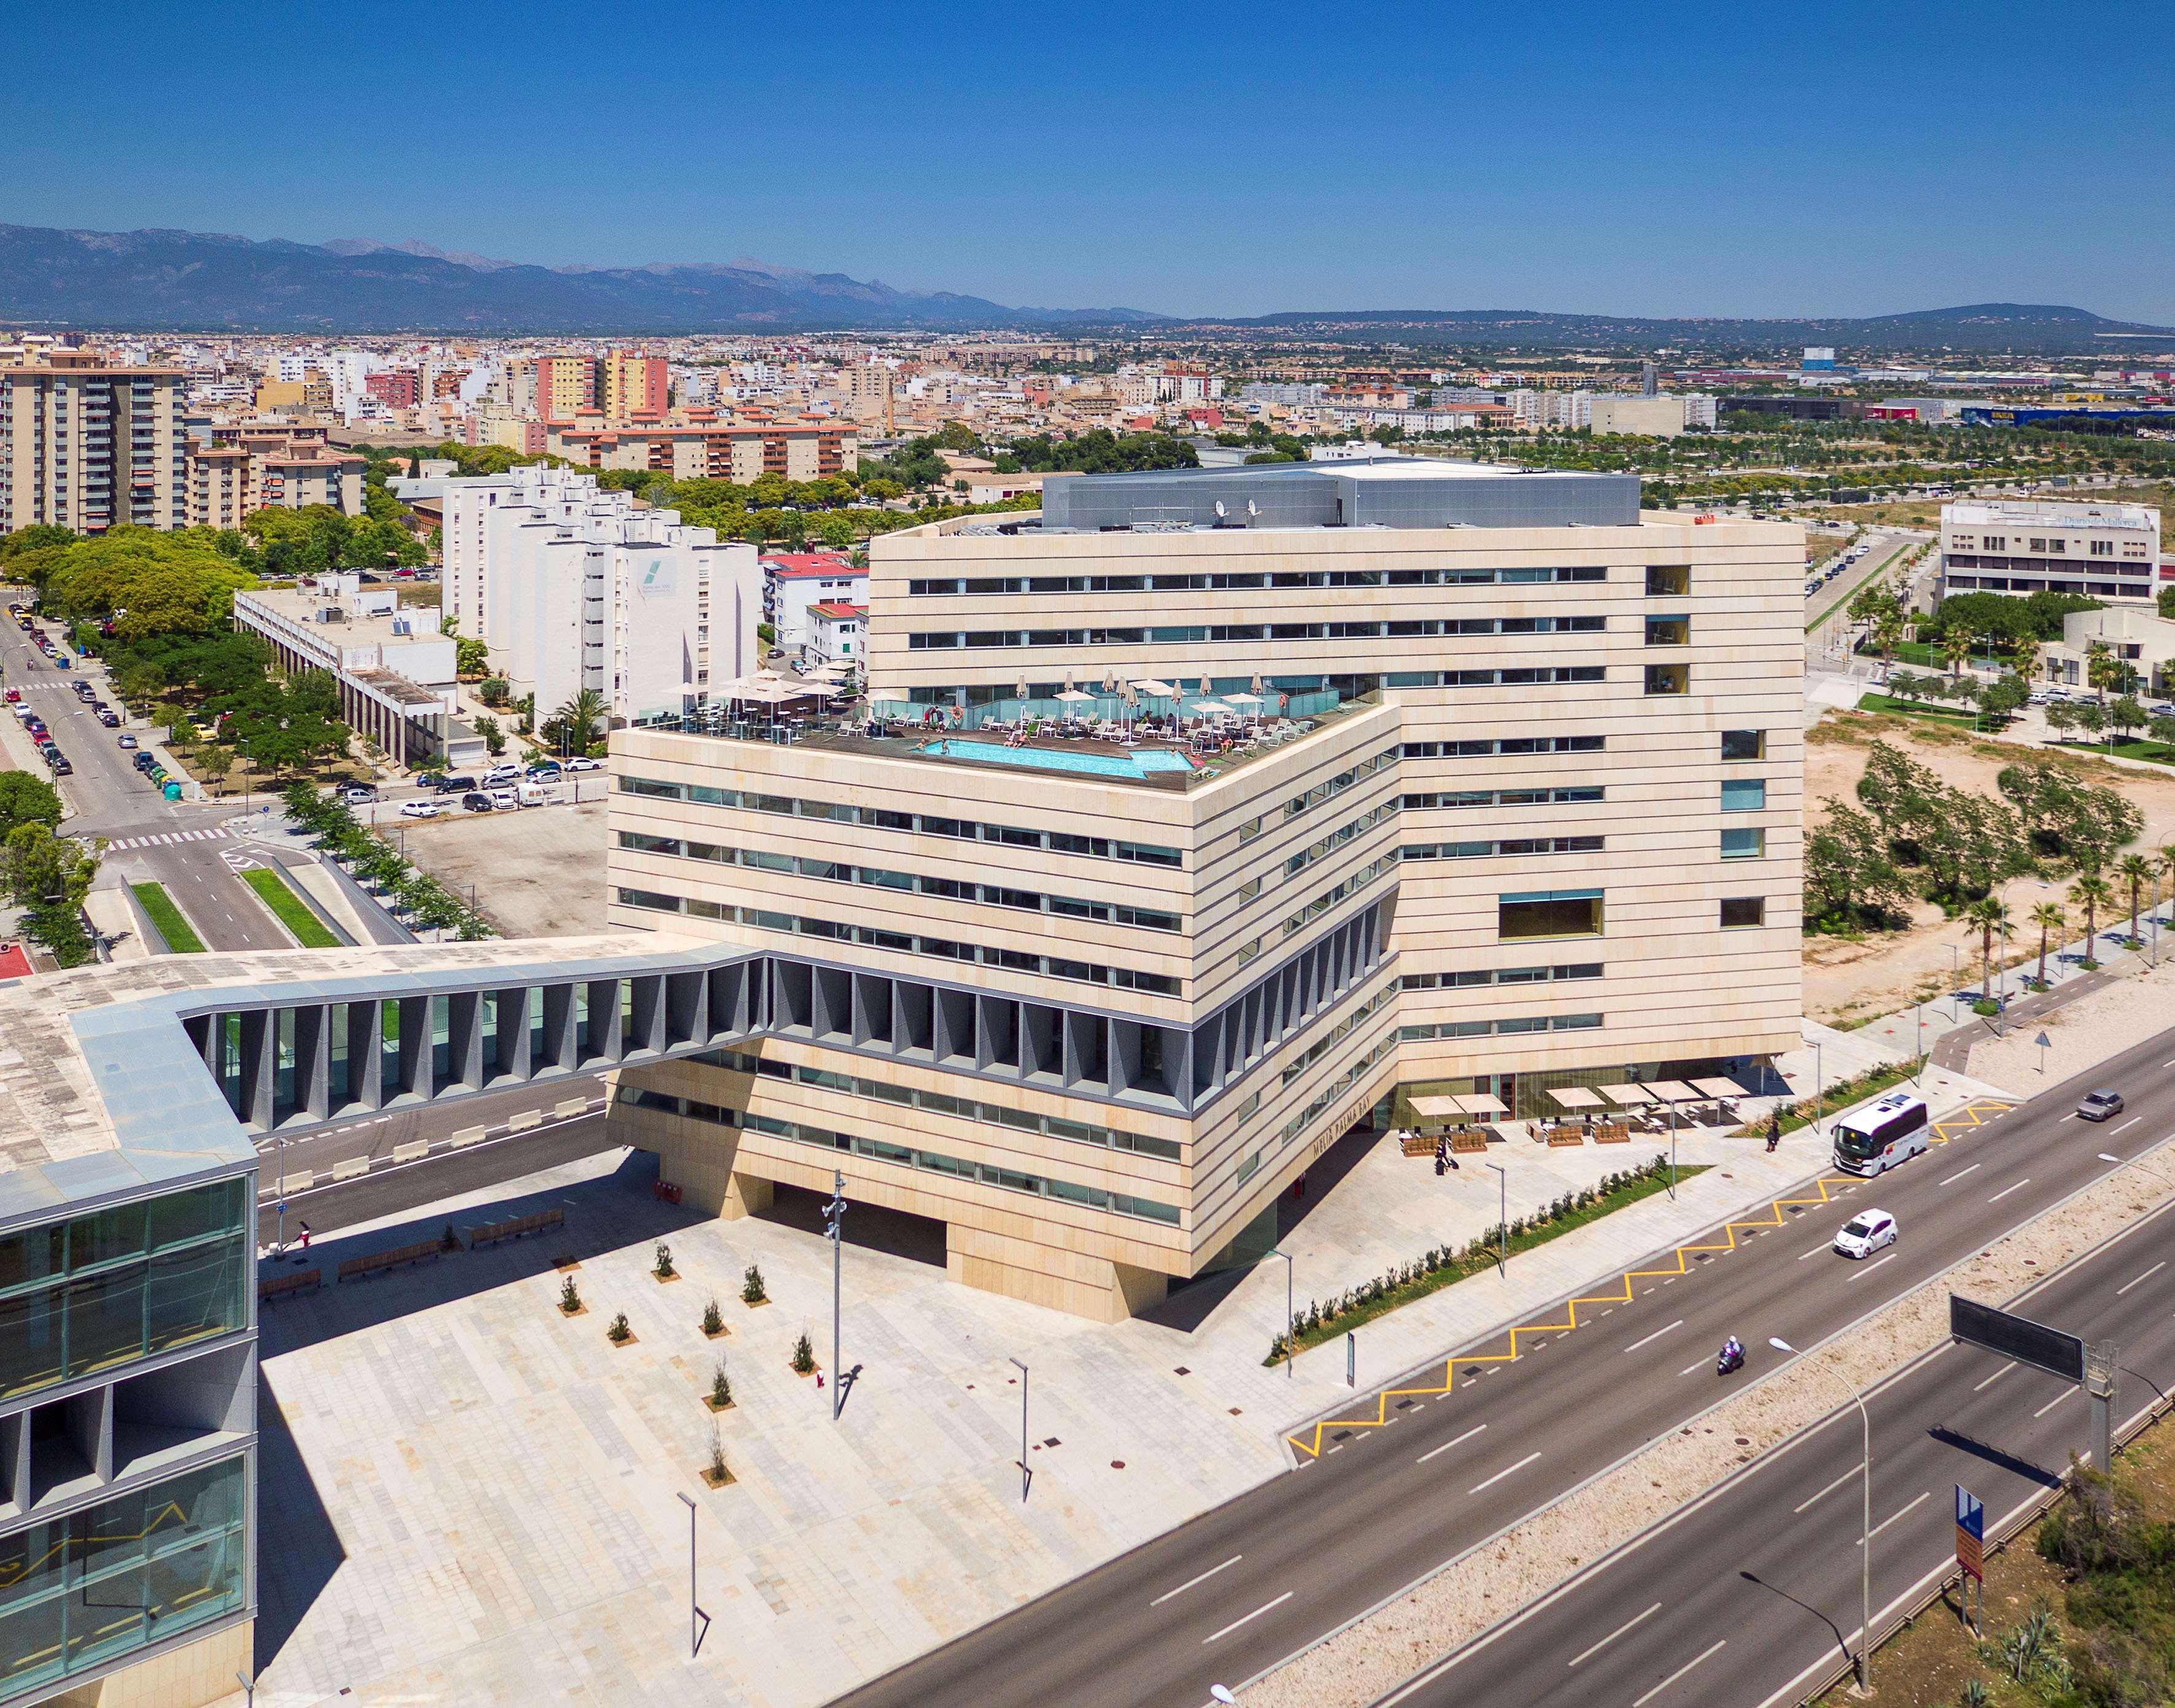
{"points": [[2049, 917], [1989, 917], [2092, 893], [2135, 870]]}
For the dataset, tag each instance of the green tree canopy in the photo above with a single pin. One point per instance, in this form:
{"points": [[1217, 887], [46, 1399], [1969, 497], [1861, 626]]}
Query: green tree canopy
{"points": [[158, 583]]}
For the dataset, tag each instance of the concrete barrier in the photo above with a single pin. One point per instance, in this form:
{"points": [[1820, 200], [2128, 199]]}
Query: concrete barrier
{"points": [[573, 1106], [413, 1151], [351, 1168], [525, 1121], [469, 1135]]}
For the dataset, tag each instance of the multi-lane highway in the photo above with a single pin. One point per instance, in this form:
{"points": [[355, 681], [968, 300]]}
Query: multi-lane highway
{"points": [[1234, 1590], [1752, 1594]]}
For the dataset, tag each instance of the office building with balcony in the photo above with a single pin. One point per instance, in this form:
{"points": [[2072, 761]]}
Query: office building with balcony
{"points": [[88, 445], [2023, 546], [1461, 781]]}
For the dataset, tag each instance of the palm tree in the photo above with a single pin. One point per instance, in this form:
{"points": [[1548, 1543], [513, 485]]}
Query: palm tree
{"points": [[579, 715], [2049, 917], [2025, 653], [2135, 870], [1956, 650], [1989, 917], [2092, 893]]}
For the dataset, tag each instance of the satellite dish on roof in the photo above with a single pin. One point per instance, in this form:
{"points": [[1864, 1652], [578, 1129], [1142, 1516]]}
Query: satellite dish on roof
{"points": [[1252, 508], [1221, 513]]}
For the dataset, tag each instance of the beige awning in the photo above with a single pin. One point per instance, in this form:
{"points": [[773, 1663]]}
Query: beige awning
{"points": [[1163, 689], [1575, 1097], [1717, 1088], [1437, 1109], [889, 694], [1480, 1102], [1630, 1096], [1672, 1091]]}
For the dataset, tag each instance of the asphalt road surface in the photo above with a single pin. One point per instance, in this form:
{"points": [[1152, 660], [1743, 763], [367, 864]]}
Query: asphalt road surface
{"points": [[392, 1185], [1753, 1593], [177, 843], [1229, 1594]]}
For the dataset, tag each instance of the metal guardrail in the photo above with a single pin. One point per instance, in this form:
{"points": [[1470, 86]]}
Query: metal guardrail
{"points": [[2023, 1520]]}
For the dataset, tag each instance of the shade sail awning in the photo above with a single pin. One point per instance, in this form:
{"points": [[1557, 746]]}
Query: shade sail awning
{"points": [[1575, 1097], [1717, 1088], [1480, 1102], [1437, 1109], [1674, 1090], [1628, 1097]]}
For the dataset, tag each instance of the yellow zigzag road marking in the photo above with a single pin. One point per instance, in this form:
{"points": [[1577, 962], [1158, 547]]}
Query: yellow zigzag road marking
{"points": [[1972, 1114], [1727, 1243]]}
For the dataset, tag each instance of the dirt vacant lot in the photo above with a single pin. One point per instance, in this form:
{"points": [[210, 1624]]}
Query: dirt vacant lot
{"points": [[1846, 981], [539, 872]]}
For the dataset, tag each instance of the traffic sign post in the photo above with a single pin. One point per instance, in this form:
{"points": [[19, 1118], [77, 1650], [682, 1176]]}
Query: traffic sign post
{"points": [[2018, 1338], [1971, 1552], [2042, 1041]]}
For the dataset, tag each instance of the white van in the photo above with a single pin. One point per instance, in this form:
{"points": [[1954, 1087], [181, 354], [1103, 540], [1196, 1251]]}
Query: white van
{"points": [[1895, 1129], [534, 794]]}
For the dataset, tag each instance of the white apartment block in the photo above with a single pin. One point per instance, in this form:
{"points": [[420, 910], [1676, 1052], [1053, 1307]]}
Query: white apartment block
{"points": [[573, 587], [794, 581], [2025, 546]]}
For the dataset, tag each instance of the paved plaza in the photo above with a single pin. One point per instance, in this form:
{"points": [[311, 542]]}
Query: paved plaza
{"points": [[473, 1498]]}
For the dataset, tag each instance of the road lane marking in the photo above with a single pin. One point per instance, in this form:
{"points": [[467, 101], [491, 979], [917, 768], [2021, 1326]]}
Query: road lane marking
{"points": [[1191, 1582], [1688, 1369], [1462, 1369], [2006, 1190], [1447, 1445], [1255, 1614], [1641, 1701], [1615, 1633], [1824, 1245], [1960, 1172], [1829, 1489], [2053, 1402], [2127, 1124], [1875, 1264], [1893, 1516], [1504, 1472], [1997, 1376], [2147, 1275], [1656, 1335]]}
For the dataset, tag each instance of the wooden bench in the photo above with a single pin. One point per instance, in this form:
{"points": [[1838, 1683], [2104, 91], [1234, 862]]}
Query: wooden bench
{"points": [[271, 1287], [1466, 1141], [492, 1232], [1611, 1133], [1419, 1144], [1560, 1136], [376, 1262]]}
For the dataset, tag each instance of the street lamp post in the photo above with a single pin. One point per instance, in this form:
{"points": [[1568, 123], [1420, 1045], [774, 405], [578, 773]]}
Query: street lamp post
{"points": [[1502, 1220], [834, 1216], [694, 1616], [1865, 1541], [1291, 1347], [1955, 976], [1819, 1086], [1022, 1368]]}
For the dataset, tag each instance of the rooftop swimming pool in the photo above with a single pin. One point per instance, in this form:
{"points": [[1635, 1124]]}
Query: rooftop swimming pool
{"points": [[1143, 761]]}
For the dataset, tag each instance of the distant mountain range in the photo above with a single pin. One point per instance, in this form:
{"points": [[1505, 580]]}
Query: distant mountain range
{"points": [[158, 280], [197, 281]]}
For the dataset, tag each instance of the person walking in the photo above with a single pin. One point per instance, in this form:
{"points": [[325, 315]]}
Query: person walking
{"points": [[1774, 1131]]}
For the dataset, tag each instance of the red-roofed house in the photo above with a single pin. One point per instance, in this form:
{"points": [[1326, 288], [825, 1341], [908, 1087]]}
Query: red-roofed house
{"points": [[837, 633], [793, 581]]}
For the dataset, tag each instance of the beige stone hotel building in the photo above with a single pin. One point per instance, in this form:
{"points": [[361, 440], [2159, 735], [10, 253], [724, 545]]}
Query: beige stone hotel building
{"points": [[1525, 815]]}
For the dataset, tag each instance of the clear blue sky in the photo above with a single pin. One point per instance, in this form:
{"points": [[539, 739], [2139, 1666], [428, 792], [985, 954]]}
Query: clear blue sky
{"points": [[1191, 158]]}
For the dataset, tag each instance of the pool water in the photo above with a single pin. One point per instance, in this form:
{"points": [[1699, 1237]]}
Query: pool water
{"points": [[1138, 763]]}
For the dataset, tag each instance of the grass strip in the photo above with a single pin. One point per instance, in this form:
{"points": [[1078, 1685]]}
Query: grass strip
{"points": [[1836, 1098], [273, 890], [1442, 1269], [167, 918], [1917, 709]]}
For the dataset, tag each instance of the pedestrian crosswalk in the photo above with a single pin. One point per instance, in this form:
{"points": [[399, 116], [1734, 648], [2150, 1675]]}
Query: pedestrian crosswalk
{"points": [[171, 837]]}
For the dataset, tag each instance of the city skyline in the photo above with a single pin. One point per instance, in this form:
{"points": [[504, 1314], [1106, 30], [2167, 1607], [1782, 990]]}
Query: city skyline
{"points": [[1762, 168]]}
